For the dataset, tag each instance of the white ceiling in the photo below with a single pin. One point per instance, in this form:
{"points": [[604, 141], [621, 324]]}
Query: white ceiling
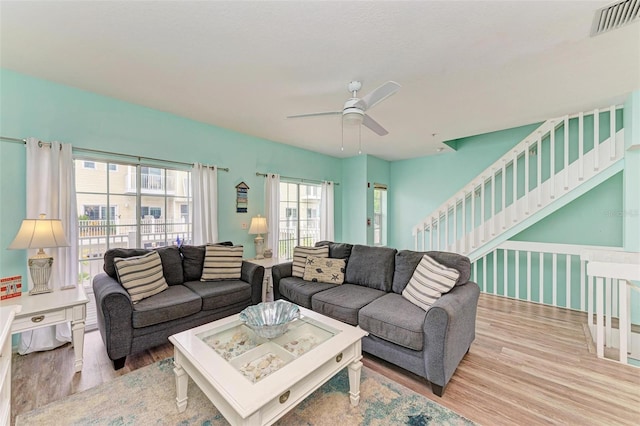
{"points": [[466, 67]]}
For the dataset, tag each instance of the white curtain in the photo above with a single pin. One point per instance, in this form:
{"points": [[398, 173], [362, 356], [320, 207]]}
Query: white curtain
{"points": [[326, 212], [51, 189], [205, 203], [272, 212]]}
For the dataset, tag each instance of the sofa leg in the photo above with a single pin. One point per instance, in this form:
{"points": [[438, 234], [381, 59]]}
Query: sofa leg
{"points": [[119, 363], [437, 389]]}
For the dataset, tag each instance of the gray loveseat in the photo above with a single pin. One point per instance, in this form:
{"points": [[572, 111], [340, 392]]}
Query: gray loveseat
{"points": [[430, 344], [127, 328]]}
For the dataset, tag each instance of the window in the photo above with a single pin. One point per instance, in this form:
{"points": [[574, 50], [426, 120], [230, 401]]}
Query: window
{"points": [[113, 213], [379, 214], [298, 229]]}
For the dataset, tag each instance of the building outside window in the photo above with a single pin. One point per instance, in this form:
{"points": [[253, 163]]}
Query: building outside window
{"points": [[379, 214], [113, 212], [298, 229]]}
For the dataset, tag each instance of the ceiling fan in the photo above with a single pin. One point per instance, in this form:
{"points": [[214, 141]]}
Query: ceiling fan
{"points": [[354, 109]]}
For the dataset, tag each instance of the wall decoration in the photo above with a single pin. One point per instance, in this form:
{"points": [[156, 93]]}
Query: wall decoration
{"points": [[10, 287], [242, 200]]}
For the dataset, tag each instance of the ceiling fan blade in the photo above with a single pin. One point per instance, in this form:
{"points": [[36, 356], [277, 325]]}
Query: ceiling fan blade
{"points": [[378, 95], [315, 114], [373, 125]]}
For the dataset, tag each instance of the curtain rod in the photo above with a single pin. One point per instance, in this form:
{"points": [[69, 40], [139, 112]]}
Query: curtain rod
{"points": [[97, 151], [296, 178]]}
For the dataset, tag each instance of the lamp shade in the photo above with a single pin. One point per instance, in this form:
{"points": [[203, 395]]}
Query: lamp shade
{"points": [[39, 233], [258, 225]]}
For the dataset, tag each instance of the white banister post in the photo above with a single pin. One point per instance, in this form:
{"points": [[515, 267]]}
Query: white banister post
{"points": [[463, 230], [526, 178], [493, 203], [473, 216], [446, 228], [495, 272], [599, 317], [566, 151], [568, 284], [623, 317], [528, 275], [484, 273], [517, 280], [504, 194], [552, 161], [583, 285], [607, 310], [590, 300], [505, 278], [455, 225], [482, 224], [539, 172], [596, 139], [581, 147], [612, 130], [541, 289], [514, 218], [554, 281]]}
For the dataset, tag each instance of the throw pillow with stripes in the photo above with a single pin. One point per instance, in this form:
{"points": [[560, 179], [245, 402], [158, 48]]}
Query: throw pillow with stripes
{"points": [[141, 276], [222, 263], [300, 254], [430, 280]]}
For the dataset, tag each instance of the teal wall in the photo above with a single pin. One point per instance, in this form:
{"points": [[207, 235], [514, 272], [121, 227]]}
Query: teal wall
{"points": [[49, 111], [420, 185], [354, 202]]}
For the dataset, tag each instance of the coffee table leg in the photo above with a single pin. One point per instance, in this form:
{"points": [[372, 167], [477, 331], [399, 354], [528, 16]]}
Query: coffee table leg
{"points": [[182, 381], [354, 382]]}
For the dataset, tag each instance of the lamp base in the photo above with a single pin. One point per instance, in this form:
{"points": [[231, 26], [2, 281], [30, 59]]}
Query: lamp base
{"points": [[40, 270], [259, 243]]}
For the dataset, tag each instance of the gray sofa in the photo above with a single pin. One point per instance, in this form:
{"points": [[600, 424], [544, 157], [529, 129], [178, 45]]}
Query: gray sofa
{"points": [[127, 328], [430, 344]]}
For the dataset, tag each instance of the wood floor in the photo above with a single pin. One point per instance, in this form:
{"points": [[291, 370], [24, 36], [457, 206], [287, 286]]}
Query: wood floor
{"points": [[529, 365]]}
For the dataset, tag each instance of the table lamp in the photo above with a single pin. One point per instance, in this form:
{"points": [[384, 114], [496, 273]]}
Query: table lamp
{"points": [[38, 234], [259, 226]]}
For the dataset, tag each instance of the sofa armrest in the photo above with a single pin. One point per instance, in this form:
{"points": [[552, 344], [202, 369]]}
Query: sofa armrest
{"points": [[253, 274], [115, 315], [449, 329], [278, 272]]}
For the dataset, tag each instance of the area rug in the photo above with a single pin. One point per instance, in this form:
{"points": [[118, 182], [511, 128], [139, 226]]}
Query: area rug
{"points": [[147, 397]]}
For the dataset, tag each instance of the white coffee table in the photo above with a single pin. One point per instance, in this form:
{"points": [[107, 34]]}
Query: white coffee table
{"points": [[210, 356]]}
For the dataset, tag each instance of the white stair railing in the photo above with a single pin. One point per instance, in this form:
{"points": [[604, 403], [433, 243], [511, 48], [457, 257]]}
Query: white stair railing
{"points": [[613, 273], [552, 161]]}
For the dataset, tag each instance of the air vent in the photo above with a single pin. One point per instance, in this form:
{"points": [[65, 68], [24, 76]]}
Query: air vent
{"points": [[615, 16]]}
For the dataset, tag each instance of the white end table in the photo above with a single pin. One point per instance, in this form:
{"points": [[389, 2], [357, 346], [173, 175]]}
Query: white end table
{"points": [[53, 308], [267, 263]]}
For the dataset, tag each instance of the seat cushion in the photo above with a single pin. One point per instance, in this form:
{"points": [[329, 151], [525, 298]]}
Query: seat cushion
{"points": [[393, 318], [220, 294], [371, 267], [177, 301], [300, 291], [344, 301]]}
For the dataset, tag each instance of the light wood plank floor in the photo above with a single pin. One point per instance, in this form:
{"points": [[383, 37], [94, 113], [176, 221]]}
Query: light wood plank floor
{"points": [[530, 364]]}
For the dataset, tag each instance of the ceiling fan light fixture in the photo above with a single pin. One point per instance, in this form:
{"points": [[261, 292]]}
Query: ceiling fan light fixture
{"points": [[352, 116]]}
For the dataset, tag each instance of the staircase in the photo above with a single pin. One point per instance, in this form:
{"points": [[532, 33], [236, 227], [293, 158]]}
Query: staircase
{"points": [[554, 165]]}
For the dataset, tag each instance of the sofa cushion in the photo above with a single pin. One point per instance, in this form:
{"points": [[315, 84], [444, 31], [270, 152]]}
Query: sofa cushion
{"points": [[300, 291], [220, 294], [337, 250], [141, 276], [175, 302], [393, 318], [193, 259], [222, 263], [324, 270], [300, 254], [407, 260], [429, 281], [344, 301], [170, 257], [371, 267]]}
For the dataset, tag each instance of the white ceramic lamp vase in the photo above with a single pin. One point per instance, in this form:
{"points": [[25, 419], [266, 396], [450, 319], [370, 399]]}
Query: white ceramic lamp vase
{"points": [[259, 227], [39, 234]]}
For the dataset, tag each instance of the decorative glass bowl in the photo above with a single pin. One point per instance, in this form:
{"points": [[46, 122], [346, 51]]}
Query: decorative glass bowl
{"points": [[270, 319]]}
